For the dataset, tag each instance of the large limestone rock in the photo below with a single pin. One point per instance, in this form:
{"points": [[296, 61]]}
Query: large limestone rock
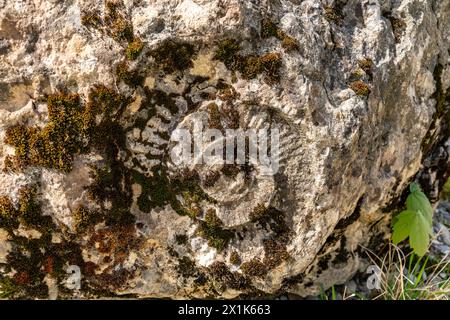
{"points": [[357, 89]]}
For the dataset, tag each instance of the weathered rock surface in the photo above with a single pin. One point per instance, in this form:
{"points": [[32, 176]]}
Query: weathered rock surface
{"points": [[359, 91]]}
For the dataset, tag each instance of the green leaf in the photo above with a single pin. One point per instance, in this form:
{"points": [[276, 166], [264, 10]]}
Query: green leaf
{"points": [[414, 187], [419, 238], [402, 226], [418, 201], [394, 220], [415, 222]]}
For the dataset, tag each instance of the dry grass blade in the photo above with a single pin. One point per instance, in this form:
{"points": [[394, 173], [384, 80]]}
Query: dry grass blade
{"points": [[408, 277]]}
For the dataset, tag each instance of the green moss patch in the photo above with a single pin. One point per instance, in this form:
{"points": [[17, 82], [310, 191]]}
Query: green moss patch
{"points": [[27, 213], [249, 66], [111, 189], [55, 145], [133, 49], [72, 129], [272, 220], [32, 259], [227, 52], [130, 77], [270, 29], [76, 128], [222, 278], [235, 258], [212, 230], [158, 191], [173, 55]]}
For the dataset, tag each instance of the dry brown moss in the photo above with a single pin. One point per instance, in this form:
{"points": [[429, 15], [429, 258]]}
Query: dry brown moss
{"points": [[270, 29], [211, 178], [7, 209], [222, 278], [181, 239], [360, 88], [357, 74], [84, 218], [235, 258], [230, 116], [249, 66], [254, 268], [231, 170], [227, 92], [55, 145], [366, 64], [92, 19], [214, 116], [8, 164], [186, 267], [270, 65], [30, 213], [114, 24], [119, 28], [134, 48], [398, 27], [275, 253], [31, 259], [8, 214], [289, 43], [334, 13], [19, 136], [122, 30]]}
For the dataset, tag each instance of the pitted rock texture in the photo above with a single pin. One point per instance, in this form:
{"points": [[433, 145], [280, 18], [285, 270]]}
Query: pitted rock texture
{"points": [[92, 91]]}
